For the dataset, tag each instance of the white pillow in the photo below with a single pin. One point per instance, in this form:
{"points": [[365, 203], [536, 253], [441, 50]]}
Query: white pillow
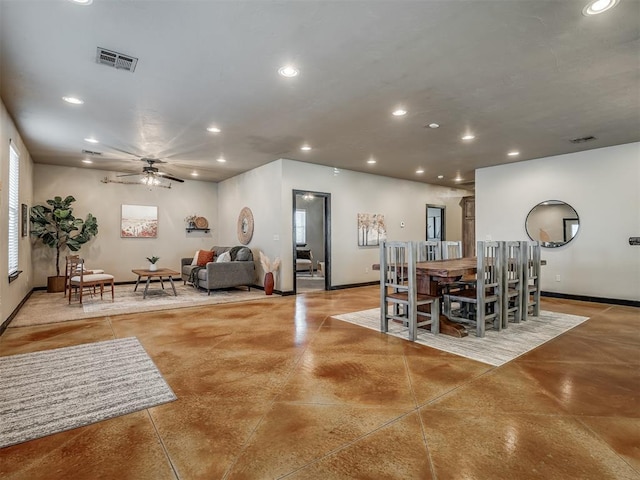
{"points": [[224, 257], [195, 258]]}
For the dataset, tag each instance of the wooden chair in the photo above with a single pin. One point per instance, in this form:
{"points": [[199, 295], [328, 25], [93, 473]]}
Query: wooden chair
{"points": [[80, 279], [451, 250], [513, 282], [428, 251], [399, 299], [483, 303], [530, 279]]}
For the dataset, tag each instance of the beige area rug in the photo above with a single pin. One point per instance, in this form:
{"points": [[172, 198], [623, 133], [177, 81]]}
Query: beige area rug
{"points": [[55, 390], [495, 348], [42, 307]]}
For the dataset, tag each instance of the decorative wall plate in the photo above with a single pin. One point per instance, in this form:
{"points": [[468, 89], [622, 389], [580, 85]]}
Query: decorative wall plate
{"points": [[245, 226], [201, 222]]}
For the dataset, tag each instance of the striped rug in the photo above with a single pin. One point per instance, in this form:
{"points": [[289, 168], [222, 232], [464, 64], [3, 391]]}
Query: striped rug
{"points": [[495, 348], [55, 390]]}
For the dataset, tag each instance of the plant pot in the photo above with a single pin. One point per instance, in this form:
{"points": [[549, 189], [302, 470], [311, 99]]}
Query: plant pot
{"points": [[55, 284], [268, 283], [153, 267]]}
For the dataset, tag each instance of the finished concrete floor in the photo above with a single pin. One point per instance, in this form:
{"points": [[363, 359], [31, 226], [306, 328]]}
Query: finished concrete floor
{"points": [[276, 388]]}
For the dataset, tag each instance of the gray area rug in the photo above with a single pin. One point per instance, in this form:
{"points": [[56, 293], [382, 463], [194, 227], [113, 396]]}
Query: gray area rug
{"points": [[43, 308], [56, 390], [495, 348]]}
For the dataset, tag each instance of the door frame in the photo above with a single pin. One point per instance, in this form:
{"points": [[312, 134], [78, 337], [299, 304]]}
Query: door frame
{"points": [[443, 223], [327, 234]]}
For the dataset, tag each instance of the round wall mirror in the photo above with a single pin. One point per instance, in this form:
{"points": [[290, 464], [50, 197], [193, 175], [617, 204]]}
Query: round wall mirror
{"points": [[552, 223]]}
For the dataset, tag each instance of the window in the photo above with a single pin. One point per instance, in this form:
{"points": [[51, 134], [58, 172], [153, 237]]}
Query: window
{"points": [[14, 209], [301, 226]]}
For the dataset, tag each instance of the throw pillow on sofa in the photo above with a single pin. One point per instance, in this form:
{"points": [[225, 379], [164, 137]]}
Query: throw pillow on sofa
{"points": [[224, 257], [204, 257]]}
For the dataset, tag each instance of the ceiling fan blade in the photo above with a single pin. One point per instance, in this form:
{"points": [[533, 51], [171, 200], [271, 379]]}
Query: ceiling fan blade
{"points": [[169, 177], [128, 174], [124, 151]]}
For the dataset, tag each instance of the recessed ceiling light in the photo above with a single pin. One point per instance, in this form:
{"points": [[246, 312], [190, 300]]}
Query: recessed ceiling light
{"points": [[82, 2], [434, 125], [468, 137], [91, 140], [420, 170], [457, 179], [194, 174], [221, 160], [514, 153], [213, 130], [306, 148], [73, 100], [86, 160], [288, 71], [399, 112], [599, 6], [440, 177], [371, 161]]}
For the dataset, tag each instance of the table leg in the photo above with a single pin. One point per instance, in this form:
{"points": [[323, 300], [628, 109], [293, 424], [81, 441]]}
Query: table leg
{"points": [[146, 287], [161, 284], [137, 282], [173, 286]]}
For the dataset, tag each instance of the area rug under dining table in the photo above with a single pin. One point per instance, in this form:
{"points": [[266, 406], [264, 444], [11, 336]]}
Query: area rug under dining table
{"points": [[46, 392], [495, 348]]}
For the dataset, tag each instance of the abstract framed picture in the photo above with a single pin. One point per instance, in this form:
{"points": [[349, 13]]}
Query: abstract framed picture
{"points": [[371, 229], [139, 221]]}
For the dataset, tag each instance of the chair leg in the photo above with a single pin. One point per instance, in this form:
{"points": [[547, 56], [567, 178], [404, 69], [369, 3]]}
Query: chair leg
{"points": [[435, 317]]}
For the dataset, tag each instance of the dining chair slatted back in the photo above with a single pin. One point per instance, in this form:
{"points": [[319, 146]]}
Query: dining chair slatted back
{"points": [[482, 304], [399, 300], [67, 270], [512, 282], [451, 249], [428, 251], [531, 279]]}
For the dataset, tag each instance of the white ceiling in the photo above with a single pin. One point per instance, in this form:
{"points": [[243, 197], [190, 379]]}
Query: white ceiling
{"points": [[519, 74]]}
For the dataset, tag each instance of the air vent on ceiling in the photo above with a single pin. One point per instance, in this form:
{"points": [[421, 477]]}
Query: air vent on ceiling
{"points": [[89, 152], [583, 139], [115, 59]]}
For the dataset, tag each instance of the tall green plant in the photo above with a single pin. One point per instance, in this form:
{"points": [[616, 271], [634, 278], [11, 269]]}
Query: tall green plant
{"points": [[58, 228]]}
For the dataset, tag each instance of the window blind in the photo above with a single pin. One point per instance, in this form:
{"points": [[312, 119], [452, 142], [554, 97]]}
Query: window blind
{"points": [[14, 208]]}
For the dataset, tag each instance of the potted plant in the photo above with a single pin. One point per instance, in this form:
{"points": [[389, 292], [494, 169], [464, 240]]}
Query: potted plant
{"points": [[152, 263], [56, 226]]}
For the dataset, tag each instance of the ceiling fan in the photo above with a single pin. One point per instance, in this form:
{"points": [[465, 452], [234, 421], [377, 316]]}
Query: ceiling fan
{"points": [[151, 174]]}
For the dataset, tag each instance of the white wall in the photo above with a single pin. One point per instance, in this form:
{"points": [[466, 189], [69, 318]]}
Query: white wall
{"points": [[260, 190], [11, 294], [353, 193], [108, 250], [603, 186]]}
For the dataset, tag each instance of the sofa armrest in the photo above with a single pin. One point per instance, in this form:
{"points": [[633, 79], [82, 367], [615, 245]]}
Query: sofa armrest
{"points": [[185, 261]]}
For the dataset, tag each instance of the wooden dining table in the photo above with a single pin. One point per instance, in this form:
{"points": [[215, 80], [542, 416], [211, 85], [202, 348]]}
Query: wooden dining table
{"points": [[432, 276]]}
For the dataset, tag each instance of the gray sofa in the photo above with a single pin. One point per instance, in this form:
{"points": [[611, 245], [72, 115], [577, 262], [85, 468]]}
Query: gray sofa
{"points": [[240, 271]]}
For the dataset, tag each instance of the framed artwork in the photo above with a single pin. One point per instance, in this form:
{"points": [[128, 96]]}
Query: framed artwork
{"points": [[139, 221], [25, 220], [371, 229]]}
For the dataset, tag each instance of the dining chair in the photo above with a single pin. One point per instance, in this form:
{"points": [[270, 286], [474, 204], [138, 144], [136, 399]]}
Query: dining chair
{"points": [[428, 251], [80, 279], [482, 304], [451, 249], [513, 282], [399, 300], [68, 272], [531, 252]]}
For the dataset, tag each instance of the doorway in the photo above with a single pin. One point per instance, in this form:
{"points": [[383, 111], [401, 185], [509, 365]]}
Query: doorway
{"points": [[311, 241], [435, 223]]}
